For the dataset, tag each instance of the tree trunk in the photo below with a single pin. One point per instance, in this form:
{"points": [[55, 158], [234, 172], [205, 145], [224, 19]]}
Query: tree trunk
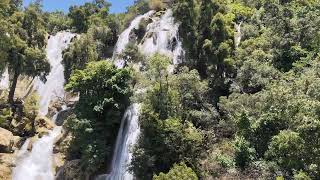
{"points": [[13, 87]]}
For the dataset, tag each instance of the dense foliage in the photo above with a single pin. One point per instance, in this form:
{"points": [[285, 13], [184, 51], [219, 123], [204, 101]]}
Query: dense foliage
{"points": [[174, 119], [23, 41], [179, 171], [104, 95], [243, 105], [260, 59]]}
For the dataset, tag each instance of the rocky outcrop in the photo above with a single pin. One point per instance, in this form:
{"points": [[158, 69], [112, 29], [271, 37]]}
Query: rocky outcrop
{"points": [[6, 141], [6, 165], [62, 116], [43, 125], [70, 171]]}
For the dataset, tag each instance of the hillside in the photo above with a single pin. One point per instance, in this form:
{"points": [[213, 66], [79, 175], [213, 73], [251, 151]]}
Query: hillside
{"points": [[169, 89]]}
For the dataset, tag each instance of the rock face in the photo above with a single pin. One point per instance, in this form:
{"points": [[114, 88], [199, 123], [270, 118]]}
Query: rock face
{"points": [[6, 141], [70, 171], [62, 116], [6, 164], [43, 125]]}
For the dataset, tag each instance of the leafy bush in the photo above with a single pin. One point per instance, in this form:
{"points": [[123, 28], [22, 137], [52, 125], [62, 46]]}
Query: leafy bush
{"points": [[287, 149], [178, 171], [244, 154], [31, 106], [157, 5]]}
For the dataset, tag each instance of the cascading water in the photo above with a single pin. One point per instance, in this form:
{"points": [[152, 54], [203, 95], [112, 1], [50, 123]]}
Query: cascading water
{"points": [[37, 164], [53, 88], [4, 82], [161, 36], [127, 136], [124, 37]]}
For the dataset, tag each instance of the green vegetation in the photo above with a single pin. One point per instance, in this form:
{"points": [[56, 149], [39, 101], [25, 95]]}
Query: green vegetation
{"points": [[180, 171], [174, 119], [244, 105], [24, 39], [104, 95]]}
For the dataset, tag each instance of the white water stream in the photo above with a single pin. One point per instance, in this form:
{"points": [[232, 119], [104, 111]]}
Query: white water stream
{"points": [[4, 82], [37, 164], [124, 37], [127, 136], [161, 37], [53, 88]]}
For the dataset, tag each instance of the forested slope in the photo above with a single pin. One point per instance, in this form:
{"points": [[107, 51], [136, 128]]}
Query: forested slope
{"points": [[243, 103]]}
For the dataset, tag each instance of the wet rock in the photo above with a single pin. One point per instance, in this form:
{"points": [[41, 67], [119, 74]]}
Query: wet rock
{"points": [[6, 141], [62, 116], [43, 122], [55, 107], [42, 126], [58, 161]]}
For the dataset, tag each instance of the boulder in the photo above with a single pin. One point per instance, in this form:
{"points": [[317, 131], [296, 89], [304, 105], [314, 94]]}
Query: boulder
{"points": [[55, 107], [6, 141], [43, 125], [62, 116], [6, 165], [58, 161]]}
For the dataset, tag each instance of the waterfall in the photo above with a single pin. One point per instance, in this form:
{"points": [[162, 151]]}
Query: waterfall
{"points": [[53, 88], [37, 164], [4, 82], [162, 37], [127, 136], [124, 37]]}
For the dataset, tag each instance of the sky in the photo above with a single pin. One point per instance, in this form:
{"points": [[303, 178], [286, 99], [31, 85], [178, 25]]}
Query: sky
{"points": [[52, 5]]}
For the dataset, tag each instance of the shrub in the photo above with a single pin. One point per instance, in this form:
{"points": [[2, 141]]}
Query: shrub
{"points": [[157, 5], [179, 171]]}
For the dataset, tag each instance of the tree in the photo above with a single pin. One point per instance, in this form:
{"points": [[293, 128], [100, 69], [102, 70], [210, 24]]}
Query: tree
{"points": [[26, 56], [286, 149], [78, 54], [244, 154], [171, 119], [104, 96], [80, 15]]}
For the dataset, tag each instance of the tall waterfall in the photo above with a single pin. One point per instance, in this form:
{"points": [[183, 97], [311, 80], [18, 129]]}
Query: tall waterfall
{"points": [[162, 37], [127, 136], [37, 164], [53, 88]]}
